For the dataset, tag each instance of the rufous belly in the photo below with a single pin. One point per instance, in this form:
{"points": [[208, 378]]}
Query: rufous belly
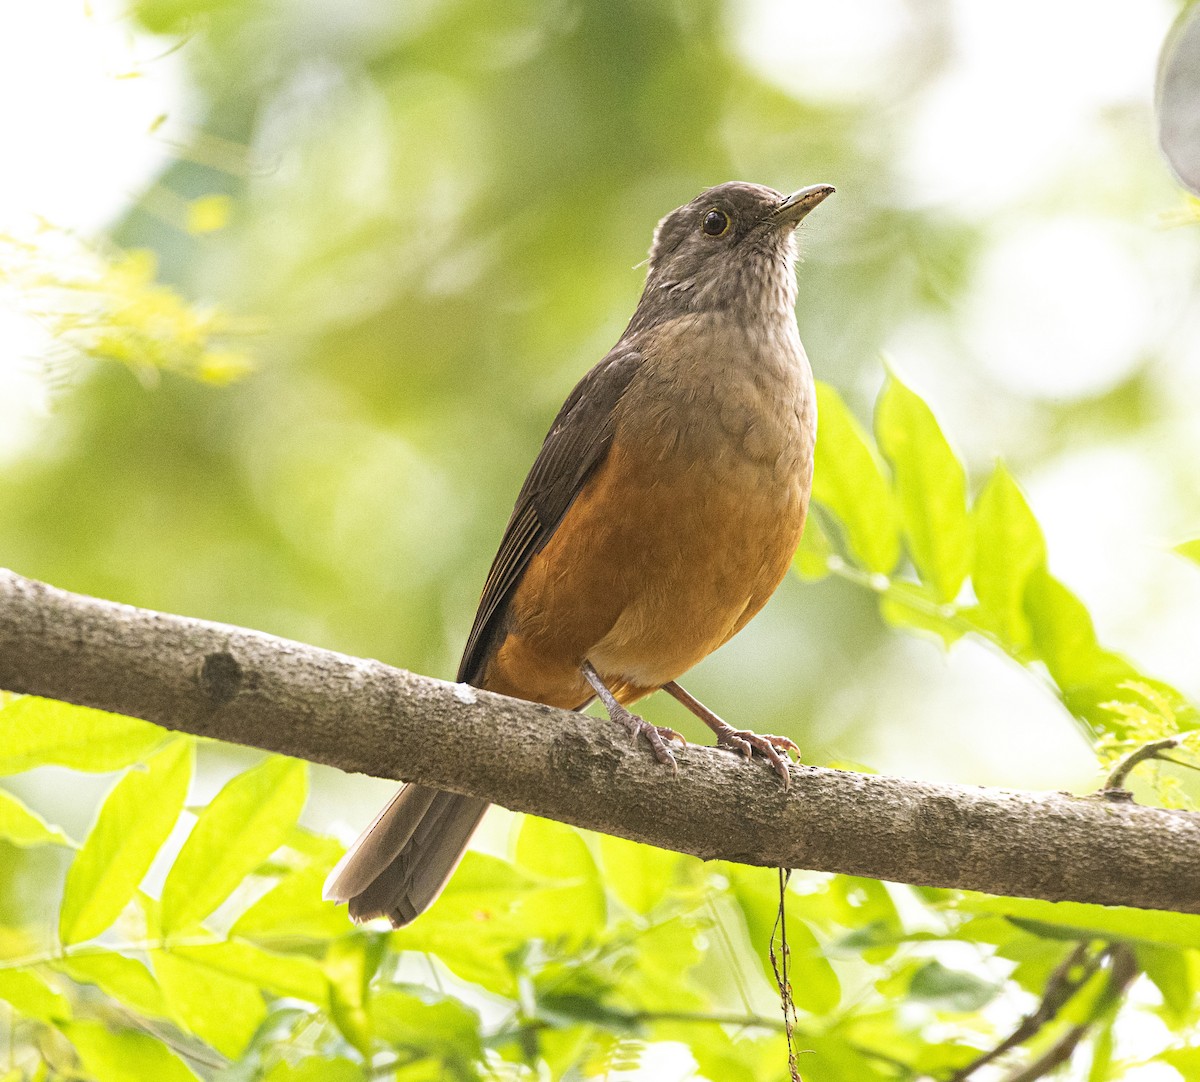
{"points": [[657, 563]]}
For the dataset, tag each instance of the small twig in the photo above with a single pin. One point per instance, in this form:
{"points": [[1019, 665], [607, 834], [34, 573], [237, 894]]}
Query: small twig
{"points": [[1055, 1056], [1059, 989], [1123, 972], [779, 965], [1116, 780]]}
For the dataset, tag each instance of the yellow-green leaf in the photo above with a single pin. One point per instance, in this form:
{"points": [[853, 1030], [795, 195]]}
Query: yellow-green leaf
{"points": [[245, 823], [1008, 548], [221, 1010], [21, 826], [1064, 638], [292, 975], [350, 963], [1190, 550], [126, 980], [909, 605], [665, 953], [124, 1056], [294, 908], [439, 1028], [931, 486], [575, 911], [815, 985], [640, 875], [316, 1069], [1171, 974], [477, 923], [1083, 920], [43, 732], [32, 997], [849, 480], [134, 821], [812, 557]]}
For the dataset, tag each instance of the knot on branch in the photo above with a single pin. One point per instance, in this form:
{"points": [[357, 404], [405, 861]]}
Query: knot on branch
{"points": [[221, 677]]}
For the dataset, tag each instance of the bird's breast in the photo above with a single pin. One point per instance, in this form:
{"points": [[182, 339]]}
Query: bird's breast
{"points": [[687, 527]]}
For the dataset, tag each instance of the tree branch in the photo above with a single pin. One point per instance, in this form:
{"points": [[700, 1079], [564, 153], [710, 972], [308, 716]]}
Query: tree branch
{"points": [[243, 686]]}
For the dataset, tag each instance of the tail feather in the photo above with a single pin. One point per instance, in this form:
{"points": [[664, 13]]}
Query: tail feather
{"points": [[401, 862]]}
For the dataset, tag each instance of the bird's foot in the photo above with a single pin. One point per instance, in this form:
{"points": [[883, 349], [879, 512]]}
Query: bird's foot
{"points": [[774, 749], [656, 735]]}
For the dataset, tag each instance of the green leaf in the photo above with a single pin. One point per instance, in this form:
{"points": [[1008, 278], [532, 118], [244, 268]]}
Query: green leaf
{"points": [[22, 826], [1080, 920], [126, 980], [1185, 1060], [43, 732], [1170, 973], [133, 822], [866, 906], [1101, 1068], [1190, 550], [951, 989], [31, 996], [721, 1057], [931, 486], [429, 1026], [179, 16], [640, 875], [663, 954], [1036, 956], [293, 975], [833, 1058], [812, 557], [221, 1010], [849, 480], [1009, 547], [125, 1056], [245, 823], [572, 913], [350, 964], [477, 924], [317, 1069], [1064, 637], [815, 985], [294, 908], [909, 605], [859, 901]]}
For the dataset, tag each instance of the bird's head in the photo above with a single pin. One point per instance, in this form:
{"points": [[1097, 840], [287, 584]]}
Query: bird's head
{"points": [[732, 247]]}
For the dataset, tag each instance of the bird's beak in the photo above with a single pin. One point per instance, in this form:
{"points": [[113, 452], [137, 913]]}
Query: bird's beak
{"points": [[793, 209]]}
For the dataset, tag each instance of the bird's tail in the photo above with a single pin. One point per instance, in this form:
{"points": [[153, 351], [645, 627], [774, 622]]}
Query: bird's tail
{"points": [[401, 862]]}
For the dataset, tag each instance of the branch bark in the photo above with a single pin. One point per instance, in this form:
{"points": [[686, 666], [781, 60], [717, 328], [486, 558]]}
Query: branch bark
{"points": [[247, 687]]}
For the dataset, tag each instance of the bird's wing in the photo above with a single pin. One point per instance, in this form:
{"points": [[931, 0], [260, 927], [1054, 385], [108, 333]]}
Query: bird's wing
{"points": [[576, 444]]}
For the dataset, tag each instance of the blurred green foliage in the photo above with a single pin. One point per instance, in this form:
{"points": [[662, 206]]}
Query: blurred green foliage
{"points": [[387, 242]]}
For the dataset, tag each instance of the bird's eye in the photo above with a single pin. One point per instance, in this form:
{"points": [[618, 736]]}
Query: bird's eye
{"points": [[716, 223]]}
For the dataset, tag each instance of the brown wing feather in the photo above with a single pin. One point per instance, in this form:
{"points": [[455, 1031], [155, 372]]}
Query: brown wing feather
{"points": [[575, 445]]}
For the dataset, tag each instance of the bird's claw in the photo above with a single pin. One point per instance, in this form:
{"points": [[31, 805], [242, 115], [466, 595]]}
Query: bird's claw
{"points": [[774, 749], [656, 735]]}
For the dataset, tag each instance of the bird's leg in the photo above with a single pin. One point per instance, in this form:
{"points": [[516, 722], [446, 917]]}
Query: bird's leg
{"points": [[774, 748], [658, 736]]}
